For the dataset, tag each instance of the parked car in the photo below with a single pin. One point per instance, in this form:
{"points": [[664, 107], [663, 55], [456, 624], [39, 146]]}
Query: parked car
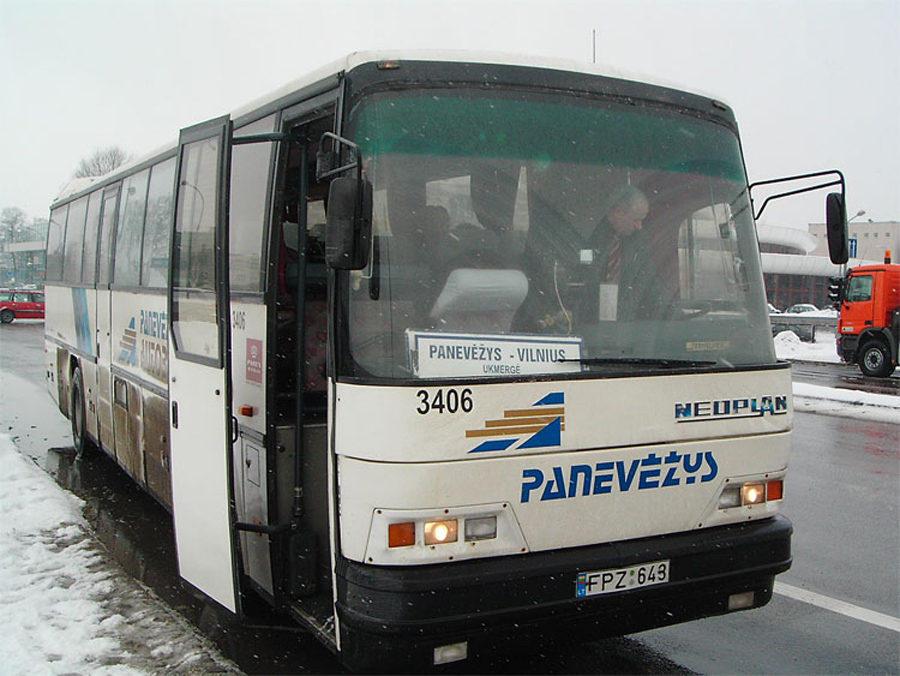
{"points": [[773, 310], [18, 304], [800, 308]]}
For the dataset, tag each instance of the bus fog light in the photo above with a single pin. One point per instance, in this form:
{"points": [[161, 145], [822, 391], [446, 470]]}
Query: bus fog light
{"points": [[753, 494], [482, 528], [454, 652], [731, 497], [741, 601], [440, 532]]}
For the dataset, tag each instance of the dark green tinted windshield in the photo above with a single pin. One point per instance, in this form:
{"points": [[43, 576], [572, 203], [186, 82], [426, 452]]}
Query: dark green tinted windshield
{"points": [[496, 250], [560, 131]]}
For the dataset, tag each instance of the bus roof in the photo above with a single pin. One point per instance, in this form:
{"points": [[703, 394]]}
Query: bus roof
{"points": [[356, 59]]}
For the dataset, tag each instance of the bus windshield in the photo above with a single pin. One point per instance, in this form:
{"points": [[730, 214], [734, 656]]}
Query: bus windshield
{"points": [[526, 234]]}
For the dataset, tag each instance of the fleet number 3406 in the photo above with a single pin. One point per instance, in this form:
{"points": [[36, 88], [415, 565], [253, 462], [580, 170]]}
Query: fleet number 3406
{"points": [[445, 400]]}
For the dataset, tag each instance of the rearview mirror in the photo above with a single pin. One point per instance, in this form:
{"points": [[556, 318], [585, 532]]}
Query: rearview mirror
{"points": [[836, 228], [349, 224]]}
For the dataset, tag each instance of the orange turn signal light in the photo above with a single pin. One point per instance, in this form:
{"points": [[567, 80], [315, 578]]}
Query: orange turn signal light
{"points": [[775, 490], [402, 534]]}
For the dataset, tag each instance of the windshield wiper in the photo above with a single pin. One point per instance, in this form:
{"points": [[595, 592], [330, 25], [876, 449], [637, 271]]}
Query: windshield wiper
{"points": [[640, 361]]}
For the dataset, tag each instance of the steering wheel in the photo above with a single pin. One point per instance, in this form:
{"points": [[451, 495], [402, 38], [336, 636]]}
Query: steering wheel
{"points": [[684, 310]]}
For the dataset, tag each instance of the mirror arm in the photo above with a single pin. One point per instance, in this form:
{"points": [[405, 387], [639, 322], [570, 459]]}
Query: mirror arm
{"points": [[322, 174], [838, 181]]}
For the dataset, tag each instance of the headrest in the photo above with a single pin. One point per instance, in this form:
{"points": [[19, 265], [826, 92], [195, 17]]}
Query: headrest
{"points": [[477, 290]]}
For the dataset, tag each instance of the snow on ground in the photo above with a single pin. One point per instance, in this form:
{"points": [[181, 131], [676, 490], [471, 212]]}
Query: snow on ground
{"points": [[67, 607], [830, 400]]}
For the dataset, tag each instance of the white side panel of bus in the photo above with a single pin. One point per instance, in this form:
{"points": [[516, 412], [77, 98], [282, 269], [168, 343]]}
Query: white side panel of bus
{"points": [[248, 358], [104, 361], [58, 302]]}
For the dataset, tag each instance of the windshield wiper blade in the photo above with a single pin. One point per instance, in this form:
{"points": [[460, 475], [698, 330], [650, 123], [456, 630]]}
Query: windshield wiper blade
{"points": [[640, 361]]}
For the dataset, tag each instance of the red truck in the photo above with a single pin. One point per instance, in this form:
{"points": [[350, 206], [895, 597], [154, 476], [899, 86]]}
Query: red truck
{"points": [[869, 317]]}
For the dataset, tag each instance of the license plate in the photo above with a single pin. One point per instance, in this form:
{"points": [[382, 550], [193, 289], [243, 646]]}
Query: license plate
{"points": [[621, 579]]}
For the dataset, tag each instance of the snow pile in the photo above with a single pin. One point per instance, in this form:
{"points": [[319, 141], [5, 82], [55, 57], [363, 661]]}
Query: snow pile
{"points": [[67, 608], [789, 346], [847, 403]]}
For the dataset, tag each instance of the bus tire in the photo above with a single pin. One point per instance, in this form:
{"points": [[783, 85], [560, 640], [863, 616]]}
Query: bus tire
{"points": [[78, 414], [875, 360], [7, 316]]}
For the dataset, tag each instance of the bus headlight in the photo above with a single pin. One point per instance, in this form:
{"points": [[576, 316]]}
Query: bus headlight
{"points": [[751, 493], [455, 533], [439, 532]]}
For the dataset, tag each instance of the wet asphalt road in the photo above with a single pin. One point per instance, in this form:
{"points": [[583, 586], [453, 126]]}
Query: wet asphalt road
{"points": [[841, 494], [844, 376]]}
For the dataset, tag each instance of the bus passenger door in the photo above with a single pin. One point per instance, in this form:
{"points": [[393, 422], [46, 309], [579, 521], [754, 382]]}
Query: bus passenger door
{"points": [[200, 423]]}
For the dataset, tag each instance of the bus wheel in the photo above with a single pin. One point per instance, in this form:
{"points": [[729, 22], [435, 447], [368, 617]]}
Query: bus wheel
{"points": [[875, 360], [6, 316], [77, 414]]}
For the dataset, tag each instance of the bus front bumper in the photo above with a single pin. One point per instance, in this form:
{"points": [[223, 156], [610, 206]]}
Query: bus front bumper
{"points": [[397, 615]]}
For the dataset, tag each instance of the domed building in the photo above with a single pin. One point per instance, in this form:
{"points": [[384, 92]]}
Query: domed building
{"points": [[796, 265]]}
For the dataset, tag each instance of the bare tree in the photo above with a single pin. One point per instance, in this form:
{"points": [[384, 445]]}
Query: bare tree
{"points": [[102, 162], [12, 222]]}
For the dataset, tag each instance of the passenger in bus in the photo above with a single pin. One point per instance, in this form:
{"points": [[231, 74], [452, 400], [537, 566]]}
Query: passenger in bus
{"points": [[615, 253], [582, 277]]}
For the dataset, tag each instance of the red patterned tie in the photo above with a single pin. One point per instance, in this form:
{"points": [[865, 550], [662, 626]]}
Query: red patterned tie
{"points": [[614, 261]]}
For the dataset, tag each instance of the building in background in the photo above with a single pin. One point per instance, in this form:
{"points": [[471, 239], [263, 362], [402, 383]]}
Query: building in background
{"points": [[23, 257], [796, 265], [873, 239]]}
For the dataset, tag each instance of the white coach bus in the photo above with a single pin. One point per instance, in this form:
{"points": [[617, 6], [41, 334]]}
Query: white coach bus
{"points": [[432, 351]]}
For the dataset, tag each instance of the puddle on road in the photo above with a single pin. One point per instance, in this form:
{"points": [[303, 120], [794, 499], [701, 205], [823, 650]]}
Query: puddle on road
{"points": [[137, 532]]}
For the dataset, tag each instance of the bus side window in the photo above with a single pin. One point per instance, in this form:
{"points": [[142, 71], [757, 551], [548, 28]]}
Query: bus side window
{"points": [[74, 247], [91, 229], [107, 234], [160, 204], [130, 230], [56, 236]]}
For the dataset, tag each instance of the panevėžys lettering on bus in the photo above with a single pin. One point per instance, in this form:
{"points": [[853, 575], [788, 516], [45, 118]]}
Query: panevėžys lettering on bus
{"points": [[431, 351]]}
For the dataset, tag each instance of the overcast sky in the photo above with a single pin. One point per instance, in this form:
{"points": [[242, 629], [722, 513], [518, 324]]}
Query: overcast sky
{"points": [[815, 84]]}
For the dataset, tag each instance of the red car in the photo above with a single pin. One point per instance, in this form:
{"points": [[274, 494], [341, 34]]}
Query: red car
{"points": [[18, 304]]}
